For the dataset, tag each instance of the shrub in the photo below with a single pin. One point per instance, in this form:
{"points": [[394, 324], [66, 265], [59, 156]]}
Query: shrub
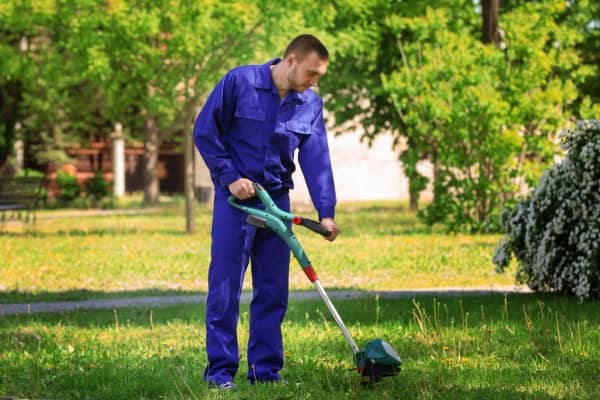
{"points": [[555, 233], [68, 187], [97, 187], [80, 203], [30, 173]]}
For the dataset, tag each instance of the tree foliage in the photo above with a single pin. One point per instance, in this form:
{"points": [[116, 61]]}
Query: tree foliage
{"points": [[36, 58], [485, 117], [446, 95], [365, 50], [146, 65]]}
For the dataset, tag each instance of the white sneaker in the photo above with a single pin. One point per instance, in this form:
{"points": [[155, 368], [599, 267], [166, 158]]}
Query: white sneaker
{"points": [[225, 386]]}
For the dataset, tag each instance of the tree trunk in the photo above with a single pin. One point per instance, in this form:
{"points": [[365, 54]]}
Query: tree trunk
{"points": [[490, 11], [189, 183], [151, 146], [413, 193], [436, 168], [10, 100], [409, 159]]}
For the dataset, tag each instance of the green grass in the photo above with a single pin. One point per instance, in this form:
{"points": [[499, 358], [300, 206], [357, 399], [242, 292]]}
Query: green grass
{"points": [[494, 347], [74, 255]]}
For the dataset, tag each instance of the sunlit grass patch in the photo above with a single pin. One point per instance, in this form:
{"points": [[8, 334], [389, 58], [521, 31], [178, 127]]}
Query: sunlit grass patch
{"points": [[75, 255]]}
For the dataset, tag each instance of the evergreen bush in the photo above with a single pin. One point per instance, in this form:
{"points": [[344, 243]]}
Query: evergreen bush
{"points": [[97, 187]]}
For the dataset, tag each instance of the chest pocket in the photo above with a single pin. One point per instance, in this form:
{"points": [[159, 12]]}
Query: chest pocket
{"points": [[253, 113], [249, 125], [298, 132]]}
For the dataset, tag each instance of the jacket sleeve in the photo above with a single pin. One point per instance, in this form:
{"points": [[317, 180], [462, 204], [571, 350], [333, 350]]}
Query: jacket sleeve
{"points": [[210, 127], [315, 163]]}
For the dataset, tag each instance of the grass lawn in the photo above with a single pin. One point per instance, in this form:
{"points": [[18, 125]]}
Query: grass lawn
{"points": [[490, 347], [381, 247], [494, 347]]}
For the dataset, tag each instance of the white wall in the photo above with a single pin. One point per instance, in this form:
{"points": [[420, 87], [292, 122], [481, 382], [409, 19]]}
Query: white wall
{"points": [[360, 172]]}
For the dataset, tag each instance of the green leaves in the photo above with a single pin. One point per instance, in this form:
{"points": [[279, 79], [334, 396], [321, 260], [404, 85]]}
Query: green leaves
{"points": [[447, 95], [415, 69], [484, 117]]}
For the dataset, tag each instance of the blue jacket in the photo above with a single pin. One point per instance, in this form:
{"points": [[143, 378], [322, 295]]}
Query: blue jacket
{"points": [[244, 130]]}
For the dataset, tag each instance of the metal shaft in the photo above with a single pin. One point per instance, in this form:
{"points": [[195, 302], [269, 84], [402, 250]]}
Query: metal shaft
{"points": [[336, 316]]}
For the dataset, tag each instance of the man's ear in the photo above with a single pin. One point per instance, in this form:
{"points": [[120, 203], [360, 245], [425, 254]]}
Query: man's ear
{"points": [[289, 60]]}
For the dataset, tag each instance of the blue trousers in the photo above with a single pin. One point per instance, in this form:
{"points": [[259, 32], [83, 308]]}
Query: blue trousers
{"points": [[234, 243]]}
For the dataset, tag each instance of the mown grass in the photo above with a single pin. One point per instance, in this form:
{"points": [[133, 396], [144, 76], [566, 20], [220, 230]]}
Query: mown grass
{"points": [[492, 347], [75, 255]]}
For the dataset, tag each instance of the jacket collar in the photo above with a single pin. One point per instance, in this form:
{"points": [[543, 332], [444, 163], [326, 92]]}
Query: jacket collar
{"points": [[263, 80]]}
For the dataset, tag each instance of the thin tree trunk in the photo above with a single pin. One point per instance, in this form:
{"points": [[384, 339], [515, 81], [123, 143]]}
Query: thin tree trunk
{"points": [[11, 95], [414, 194], [436, 168], [151, 146], [414, 179], [10, 101], [490, 35], [490, 11], [189, 183]]}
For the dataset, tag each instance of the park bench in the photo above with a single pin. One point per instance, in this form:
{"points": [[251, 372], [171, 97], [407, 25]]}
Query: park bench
{"points": [[19, 198]]}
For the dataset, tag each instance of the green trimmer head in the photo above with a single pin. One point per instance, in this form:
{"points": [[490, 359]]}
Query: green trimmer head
{"points": [[378, 359]]}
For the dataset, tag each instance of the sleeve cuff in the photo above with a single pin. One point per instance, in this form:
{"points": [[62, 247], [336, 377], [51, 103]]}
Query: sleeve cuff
{"points": [[326, 213], [228, 178]]}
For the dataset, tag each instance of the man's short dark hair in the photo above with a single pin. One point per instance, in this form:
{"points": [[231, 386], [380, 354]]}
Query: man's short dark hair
{"points": [[304, 44]]}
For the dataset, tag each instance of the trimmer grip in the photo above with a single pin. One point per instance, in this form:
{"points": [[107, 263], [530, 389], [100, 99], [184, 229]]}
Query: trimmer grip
{"points": [[314, 226], [256, 221]]}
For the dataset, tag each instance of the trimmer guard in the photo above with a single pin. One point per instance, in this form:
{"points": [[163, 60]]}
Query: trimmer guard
{"points": [[378, 360]]}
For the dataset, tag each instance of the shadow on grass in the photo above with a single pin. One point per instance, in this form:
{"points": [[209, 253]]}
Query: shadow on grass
{"points": [[427, 312], [179, 375], [100, 373], [471, 382], [117, 364], [28, 297], [17, 296]]}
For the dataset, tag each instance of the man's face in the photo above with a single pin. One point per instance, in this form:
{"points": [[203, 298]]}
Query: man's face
{"points": [[306, 72]]}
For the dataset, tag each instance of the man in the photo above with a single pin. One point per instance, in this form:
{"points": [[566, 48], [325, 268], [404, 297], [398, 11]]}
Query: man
{"points": [[254, 120]]}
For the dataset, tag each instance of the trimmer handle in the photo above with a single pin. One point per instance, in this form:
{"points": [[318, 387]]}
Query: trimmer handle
{"points": [[271, 213], [313, 225]]}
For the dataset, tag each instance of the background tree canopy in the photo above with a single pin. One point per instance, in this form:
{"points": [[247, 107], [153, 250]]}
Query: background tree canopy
{"points": [[484, 115]]}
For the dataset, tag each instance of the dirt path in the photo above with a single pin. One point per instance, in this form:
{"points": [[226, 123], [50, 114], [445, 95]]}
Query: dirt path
{"points": [[164, 301]]}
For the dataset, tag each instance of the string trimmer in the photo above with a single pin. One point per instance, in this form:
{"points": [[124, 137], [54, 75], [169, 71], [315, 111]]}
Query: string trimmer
{"points": [[378, 359]]}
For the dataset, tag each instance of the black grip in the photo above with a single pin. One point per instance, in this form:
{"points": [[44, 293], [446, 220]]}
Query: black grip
{"points": [[315, 226], [256, 221]]}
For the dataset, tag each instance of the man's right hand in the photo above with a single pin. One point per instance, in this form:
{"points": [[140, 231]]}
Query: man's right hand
{"points": [[242, 189], [330, 225]]}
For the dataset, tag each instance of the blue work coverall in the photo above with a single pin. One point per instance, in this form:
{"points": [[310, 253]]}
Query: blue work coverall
{"points": [[245, 130]]}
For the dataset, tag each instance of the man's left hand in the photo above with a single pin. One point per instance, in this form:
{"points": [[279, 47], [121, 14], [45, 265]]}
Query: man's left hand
{"points": [[331, 226]]}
